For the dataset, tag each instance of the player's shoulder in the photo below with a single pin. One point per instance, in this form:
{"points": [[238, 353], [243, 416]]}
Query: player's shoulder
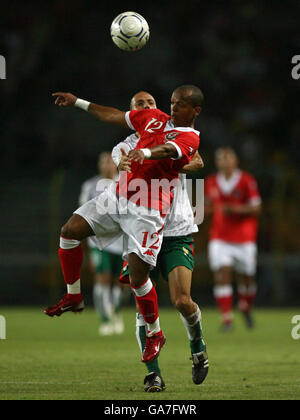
{"points": [[188, 135], [91, 181], [247, 176], [137, 119], [184, 135], [211, 178], [187, 131], [132, 138], [250, 183], [145, 113]]}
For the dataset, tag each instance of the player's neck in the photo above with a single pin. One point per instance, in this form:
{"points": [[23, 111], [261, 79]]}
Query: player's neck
{"points": [[190, 124], [228, 173], [109, 175]]}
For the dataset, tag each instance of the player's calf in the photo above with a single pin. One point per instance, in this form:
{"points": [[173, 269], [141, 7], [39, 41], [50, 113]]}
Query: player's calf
{"points": [[71, 258]]}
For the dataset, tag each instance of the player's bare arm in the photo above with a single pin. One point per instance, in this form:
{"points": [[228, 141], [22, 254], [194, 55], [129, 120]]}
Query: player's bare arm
{"points": [[194, 166], [208, 207], [245, 210], [163, 151], [104, 113]]}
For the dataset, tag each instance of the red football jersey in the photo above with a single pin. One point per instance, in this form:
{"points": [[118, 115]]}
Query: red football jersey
{"points": [[240, 189], [155, 128]]}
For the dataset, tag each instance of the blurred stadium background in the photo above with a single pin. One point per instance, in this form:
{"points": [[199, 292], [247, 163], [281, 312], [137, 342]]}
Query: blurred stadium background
{"points": [[238, 52]]}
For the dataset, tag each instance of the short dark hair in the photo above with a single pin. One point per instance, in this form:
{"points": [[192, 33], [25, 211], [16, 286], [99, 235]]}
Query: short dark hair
{"points": [[195, 95]]}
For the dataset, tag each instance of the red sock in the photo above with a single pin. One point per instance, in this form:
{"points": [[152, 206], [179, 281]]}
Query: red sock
{"points": [[71, 262], [224, 301], [247, 297], [146, 298]]}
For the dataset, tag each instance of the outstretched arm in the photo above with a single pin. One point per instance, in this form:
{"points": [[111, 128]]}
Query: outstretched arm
{"points": [[104, 113]]}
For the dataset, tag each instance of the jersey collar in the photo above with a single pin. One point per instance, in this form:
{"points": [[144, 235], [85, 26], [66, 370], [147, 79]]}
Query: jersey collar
{"points": [[228, 185], [170, 126]]}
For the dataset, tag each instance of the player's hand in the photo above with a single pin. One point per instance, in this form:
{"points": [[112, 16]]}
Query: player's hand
{"points": [[125, 163], [64, 99], [136, 156], [230, 209]]}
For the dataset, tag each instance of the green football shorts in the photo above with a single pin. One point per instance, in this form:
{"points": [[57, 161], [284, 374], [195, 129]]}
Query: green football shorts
{"points": [[175, 251], [106, 262]]}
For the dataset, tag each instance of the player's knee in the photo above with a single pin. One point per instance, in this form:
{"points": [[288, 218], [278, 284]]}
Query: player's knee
{"points": [[68, 232], [182, 303], [71, 231], [76, 228]]}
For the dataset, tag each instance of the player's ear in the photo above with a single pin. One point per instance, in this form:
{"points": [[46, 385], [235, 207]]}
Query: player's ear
{"points": [[198, 110]]}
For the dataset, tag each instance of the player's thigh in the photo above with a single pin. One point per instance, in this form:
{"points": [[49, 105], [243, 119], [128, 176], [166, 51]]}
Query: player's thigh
{"points": [[142, 233], [101, 266], [97, 259], [246, 259], [77, 228], [223, 276], [221, 261], [105, 225], [139, 270], [175, 252], [103, 278], [116, 262]]}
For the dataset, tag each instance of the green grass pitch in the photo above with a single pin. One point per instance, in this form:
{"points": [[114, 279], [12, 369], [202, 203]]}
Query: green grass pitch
{"points": [[65, 359]]}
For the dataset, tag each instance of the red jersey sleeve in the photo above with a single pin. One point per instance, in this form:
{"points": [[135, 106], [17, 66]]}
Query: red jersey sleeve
{"points": [[252, 190], [186, 145], [208, 188], [140, 120]]}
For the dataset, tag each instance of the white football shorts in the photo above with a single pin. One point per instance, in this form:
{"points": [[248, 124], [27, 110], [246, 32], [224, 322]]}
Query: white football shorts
{"points": [[242, 257], [110, 217]]}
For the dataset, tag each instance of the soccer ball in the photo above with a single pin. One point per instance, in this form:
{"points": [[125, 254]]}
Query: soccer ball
{"points": [[130, 31]]}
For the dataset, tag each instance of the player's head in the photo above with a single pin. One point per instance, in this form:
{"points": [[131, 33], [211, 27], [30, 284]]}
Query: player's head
{"points": [[106, 165], [186, 105], [142, 100], [226, 159]]}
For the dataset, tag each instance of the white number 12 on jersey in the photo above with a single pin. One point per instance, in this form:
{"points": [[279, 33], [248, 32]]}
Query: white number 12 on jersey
{"points": [[156, 125]]}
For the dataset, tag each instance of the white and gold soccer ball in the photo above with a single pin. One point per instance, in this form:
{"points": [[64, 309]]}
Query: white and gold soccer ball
{"points": [[130, 31]]}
